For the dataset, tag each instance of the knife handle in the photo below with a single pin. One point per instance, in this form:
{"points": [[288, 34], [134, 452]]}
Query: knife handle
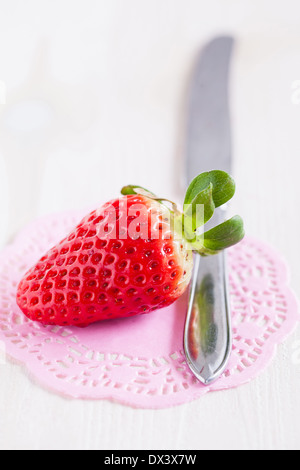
{"points": [[208, 335]]}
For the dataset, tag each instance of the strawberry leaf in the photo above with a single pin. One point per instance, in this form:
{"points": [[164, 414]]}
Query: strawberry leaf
{"points": [[223, 236], [223, 187], [134, 189], [199, 211], [131, 189]]}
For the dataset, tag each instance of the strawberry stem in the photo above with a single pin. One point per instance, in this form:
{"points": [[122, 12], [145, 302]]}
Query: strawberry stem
{"points": [[206, 192]]}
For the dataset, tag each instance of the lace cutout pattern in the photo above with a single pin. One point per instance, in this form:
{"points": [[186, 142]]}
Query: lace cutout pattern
{"points": [[139, 361]]}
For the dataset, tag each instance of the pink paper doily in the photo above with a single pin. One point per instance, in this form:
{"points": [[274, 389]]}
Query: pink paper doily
{"points": [[139, 361]]}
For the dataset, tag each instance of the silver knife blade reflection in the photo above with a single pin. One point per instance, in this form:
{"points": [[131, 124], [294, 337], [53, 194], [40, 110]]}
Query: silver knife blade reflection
{"points": [[208, 337]]}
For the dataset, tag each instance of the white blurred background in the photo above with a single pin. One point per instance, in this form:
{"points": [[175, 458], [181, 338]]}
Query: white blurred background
{"points": [[95, 93], [92, 97]]}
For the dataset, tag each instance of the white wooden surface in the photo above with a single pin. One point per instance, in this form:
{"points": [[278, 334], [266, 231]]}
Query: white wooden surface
{"points": [[104, 83]]}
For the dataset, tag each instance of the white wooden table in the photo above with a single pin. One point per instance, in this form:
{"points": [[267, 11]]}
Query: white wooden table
{"points": [[104, 86]]}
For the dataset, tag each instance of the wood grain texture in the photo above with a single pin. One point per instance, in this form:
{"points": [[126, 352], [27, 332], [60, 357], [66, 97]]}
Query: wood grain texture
{"points": [[112, 80]]}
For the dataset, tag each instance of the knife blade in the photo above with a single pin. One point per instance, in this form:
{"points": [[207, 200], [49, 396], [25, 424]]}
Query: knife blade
{"points": [[207, 335]]}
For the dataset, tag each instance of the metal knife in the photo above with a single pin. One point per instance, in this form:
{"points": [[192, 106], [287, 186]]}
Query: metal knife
{"points": [[207, 336]]}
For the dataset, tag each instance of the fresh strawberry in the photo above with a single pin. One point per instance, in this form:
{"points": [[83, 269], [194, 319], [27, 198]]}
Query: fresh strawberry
{"points": [[131, 256]]}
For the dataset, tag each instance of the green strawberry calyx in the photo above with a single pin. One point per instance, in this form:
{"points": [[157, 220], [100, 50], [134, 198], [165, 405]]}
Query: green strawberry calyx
{"points": [[206, 192]]}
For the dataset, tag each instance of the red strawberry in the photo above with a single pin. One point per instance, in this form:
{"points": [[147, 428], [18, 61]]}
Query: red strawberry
{"points": [[123, 259], [88, 277]]}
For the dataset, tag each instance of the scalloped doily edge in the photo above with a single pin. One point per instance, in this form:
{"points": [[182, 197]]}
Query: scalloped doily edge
{"points": [[124, 397]]}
